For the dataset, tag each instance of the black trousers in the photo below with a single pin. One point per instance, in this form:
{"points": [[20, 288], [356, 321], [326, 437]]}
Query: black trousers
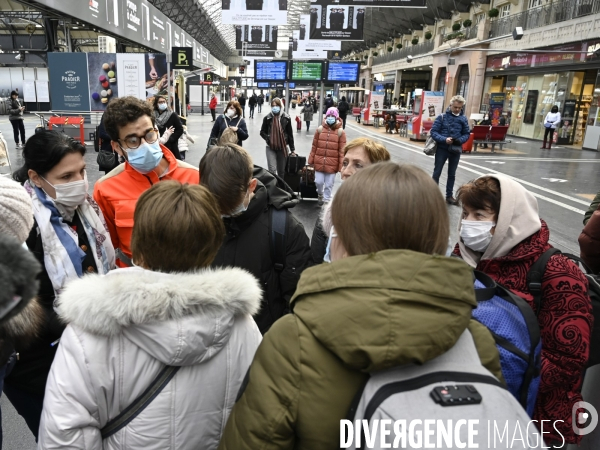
{"points": [[18, 126], [549, 135], [252, 110], [343, 122], [213, 114]]}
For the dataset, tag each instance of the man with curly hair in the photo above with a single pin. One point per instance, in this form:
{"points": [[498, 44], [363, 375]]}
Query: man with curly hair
{"points": [[131, 125]]}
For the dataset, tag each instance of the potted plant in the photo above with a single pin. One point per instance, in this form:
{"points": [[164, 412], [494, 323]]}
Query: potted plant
{"points": [[493, 13], [375, 53], [390, 49], [428, 35], [398, 46], [415, 41], [456, 27], [467, 23]]}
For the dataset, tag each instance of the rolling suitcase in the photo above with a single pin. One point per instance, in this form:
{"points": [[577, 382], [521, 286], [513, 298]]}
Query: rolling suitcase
{"points": [[294, 163], [308, 188]]}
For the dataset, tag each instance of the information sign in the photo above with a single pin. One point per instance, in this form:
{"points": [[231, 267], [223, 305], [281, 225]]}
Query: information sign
{"points": [[343, 72], [270, 70], [307, 71]]}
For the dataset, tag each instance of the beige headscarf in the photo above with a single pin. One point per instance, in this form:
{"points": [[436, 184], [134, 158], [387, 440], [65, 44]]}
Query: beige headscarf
{"points": [[518, 219]]}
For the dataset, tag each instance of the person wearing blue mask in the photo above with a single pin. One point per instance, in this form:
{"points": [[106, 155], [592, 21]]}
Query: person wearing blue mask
{"points": [[278, 133], [134, 135], [165, 119], [327, 153]]}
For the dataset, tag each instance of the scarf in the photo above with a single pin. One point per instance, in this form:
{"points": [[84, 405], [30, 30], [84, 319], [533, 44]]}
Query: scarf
{"points": [[162, 118], [62, 255], [277, 138]]}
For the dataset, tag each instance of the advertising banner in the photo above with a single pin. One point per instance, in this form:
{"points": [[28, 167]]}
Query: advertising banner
{"points": [[336, 22], [377, 3], [102, 73], [302, 49], [432, 106], [132, 73], [376, 102], [306, 43], [254, 12], [156, 74], [69, 81], [496, 105], [258, 37]]}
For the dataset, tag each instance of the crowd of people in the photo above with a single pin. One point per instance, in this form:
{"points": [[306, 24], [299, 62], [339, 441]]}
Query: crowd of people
{"points": [[200, 286]]}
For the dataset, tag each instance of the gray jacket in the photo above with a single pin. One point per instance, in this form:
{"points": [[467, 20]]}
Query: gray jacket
{"points": [[308, 112], [123, 329], [14, 109]]}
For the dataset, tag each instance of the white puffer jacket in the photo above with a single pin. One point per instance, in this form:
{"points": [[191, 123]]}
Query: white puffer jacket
{"points": [[124, 328]]}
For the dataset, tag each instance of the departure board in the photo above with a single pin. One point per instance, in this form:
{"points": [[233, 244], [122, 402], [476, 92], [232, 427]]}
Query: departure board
{"points": [[270, 70], [343, 72], [263, 85], [307, 71]]}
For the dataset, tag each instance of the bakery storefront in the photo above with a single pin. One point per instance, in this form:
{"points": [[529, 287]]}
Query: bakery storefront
{"points": [[523, 87]]}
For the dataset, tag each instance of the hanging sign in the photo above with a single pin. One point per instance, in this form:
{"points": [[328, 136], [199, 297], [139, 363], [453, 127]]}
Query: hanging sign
{"points": [[334, 22], [254, 12]]}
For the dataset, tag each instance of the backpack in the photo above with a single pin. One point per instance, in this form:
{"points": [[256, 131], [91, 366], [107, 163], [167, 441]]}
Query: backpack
{"points": [[343, 107], [534, 283], [516, 331], [339, 130], [451, 387]]}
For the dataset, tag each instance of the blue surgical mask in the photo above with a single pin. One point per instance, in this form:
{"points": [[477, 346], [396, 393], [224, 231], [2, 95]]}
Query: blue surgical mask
{"points": [[330, 120], [327, 257], [275, 110], [145, 158], [162, 106]]}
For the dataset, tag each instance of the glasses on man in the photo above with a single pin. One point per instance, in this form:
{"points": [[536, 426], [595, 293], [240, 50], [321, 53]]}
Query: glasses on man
{"points": [[133, 142]]}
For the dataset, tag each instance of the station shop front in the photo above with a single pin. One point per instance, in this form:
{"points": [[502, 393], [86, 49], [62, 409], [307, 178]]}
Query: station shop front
{"points": [[523, 87]]}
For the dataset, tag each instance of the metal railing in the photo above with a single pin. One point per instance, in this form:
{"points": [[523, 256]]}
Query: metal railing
{"points": [[558, 11], [413, 50], [463, 34]]}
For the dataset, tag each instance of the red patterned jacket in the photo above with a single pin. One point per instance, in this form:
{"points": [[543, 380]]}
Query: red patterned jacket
{"points": [[565, 321]]}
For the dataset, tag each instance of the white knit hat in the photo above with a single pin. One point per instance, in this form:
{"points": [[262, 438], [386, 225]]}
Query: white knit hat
{"points": [[16, 212]]}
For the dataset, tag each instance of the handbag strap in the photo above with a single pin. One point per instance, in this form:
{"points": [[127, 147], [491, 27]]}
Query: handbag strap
{"points": [[140, 403]]}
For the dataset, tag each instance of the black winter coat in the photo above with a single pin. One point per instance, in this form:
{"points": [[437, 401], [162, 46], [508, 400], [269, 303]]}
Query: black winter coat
{"points": [[173, 142], [223, 122], [286, 124], [105, 138], [33, 366], [247, 245]]}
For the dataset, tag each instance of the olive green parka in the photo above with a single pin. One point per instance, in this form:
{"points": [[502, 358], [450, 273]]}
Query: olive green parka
{"points": [[354, 316]]}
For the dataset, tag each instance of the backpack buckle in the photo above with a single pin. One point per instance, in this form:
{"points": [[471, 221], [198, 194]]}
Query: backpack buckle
{"points": [[535, 287], [278, 267]]}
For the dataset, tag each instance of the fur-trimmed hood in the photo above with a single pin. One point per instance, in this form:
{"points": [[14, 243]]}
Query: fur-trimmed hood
{"points": [[180, 318]]}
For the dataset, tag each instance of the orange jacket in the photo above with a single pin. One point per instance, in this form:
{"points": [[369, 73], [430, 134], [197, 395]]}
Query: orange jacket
{"points": [[117, 192], [327, 153]]}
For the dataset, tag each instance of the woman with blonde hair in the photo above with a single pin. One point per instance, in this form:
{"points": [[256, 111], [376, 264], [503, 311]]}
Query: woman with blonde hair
{"points": [[358, 154], [388, 299]]}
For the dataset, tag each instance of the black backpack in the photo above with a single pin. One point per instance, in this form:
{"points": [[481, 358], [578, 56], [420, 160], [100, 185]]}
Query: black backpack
{"points": [[534, 283]]}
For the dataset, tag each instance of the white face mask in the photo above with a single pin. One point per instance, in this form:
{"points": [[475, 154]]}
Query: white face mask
{"points": [[238, 210], [476, 234], [230, 112], [69, 196]]}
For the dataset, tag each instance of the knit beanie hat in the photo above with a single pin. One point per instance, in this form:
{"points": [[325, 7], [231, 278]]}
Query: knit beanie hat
{"points": [[333, 111], [16, 212]]}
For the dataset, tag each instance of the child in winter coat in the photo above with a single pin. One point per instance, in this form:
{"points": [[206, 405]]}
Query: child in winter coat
{"points": [[327, 153]]}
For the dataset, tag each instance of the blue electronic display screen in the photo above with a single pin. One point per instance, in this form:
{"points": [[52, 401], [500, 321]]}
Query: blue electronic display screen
{"points": [[263, 85], [270, 70], [343, 72]]}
